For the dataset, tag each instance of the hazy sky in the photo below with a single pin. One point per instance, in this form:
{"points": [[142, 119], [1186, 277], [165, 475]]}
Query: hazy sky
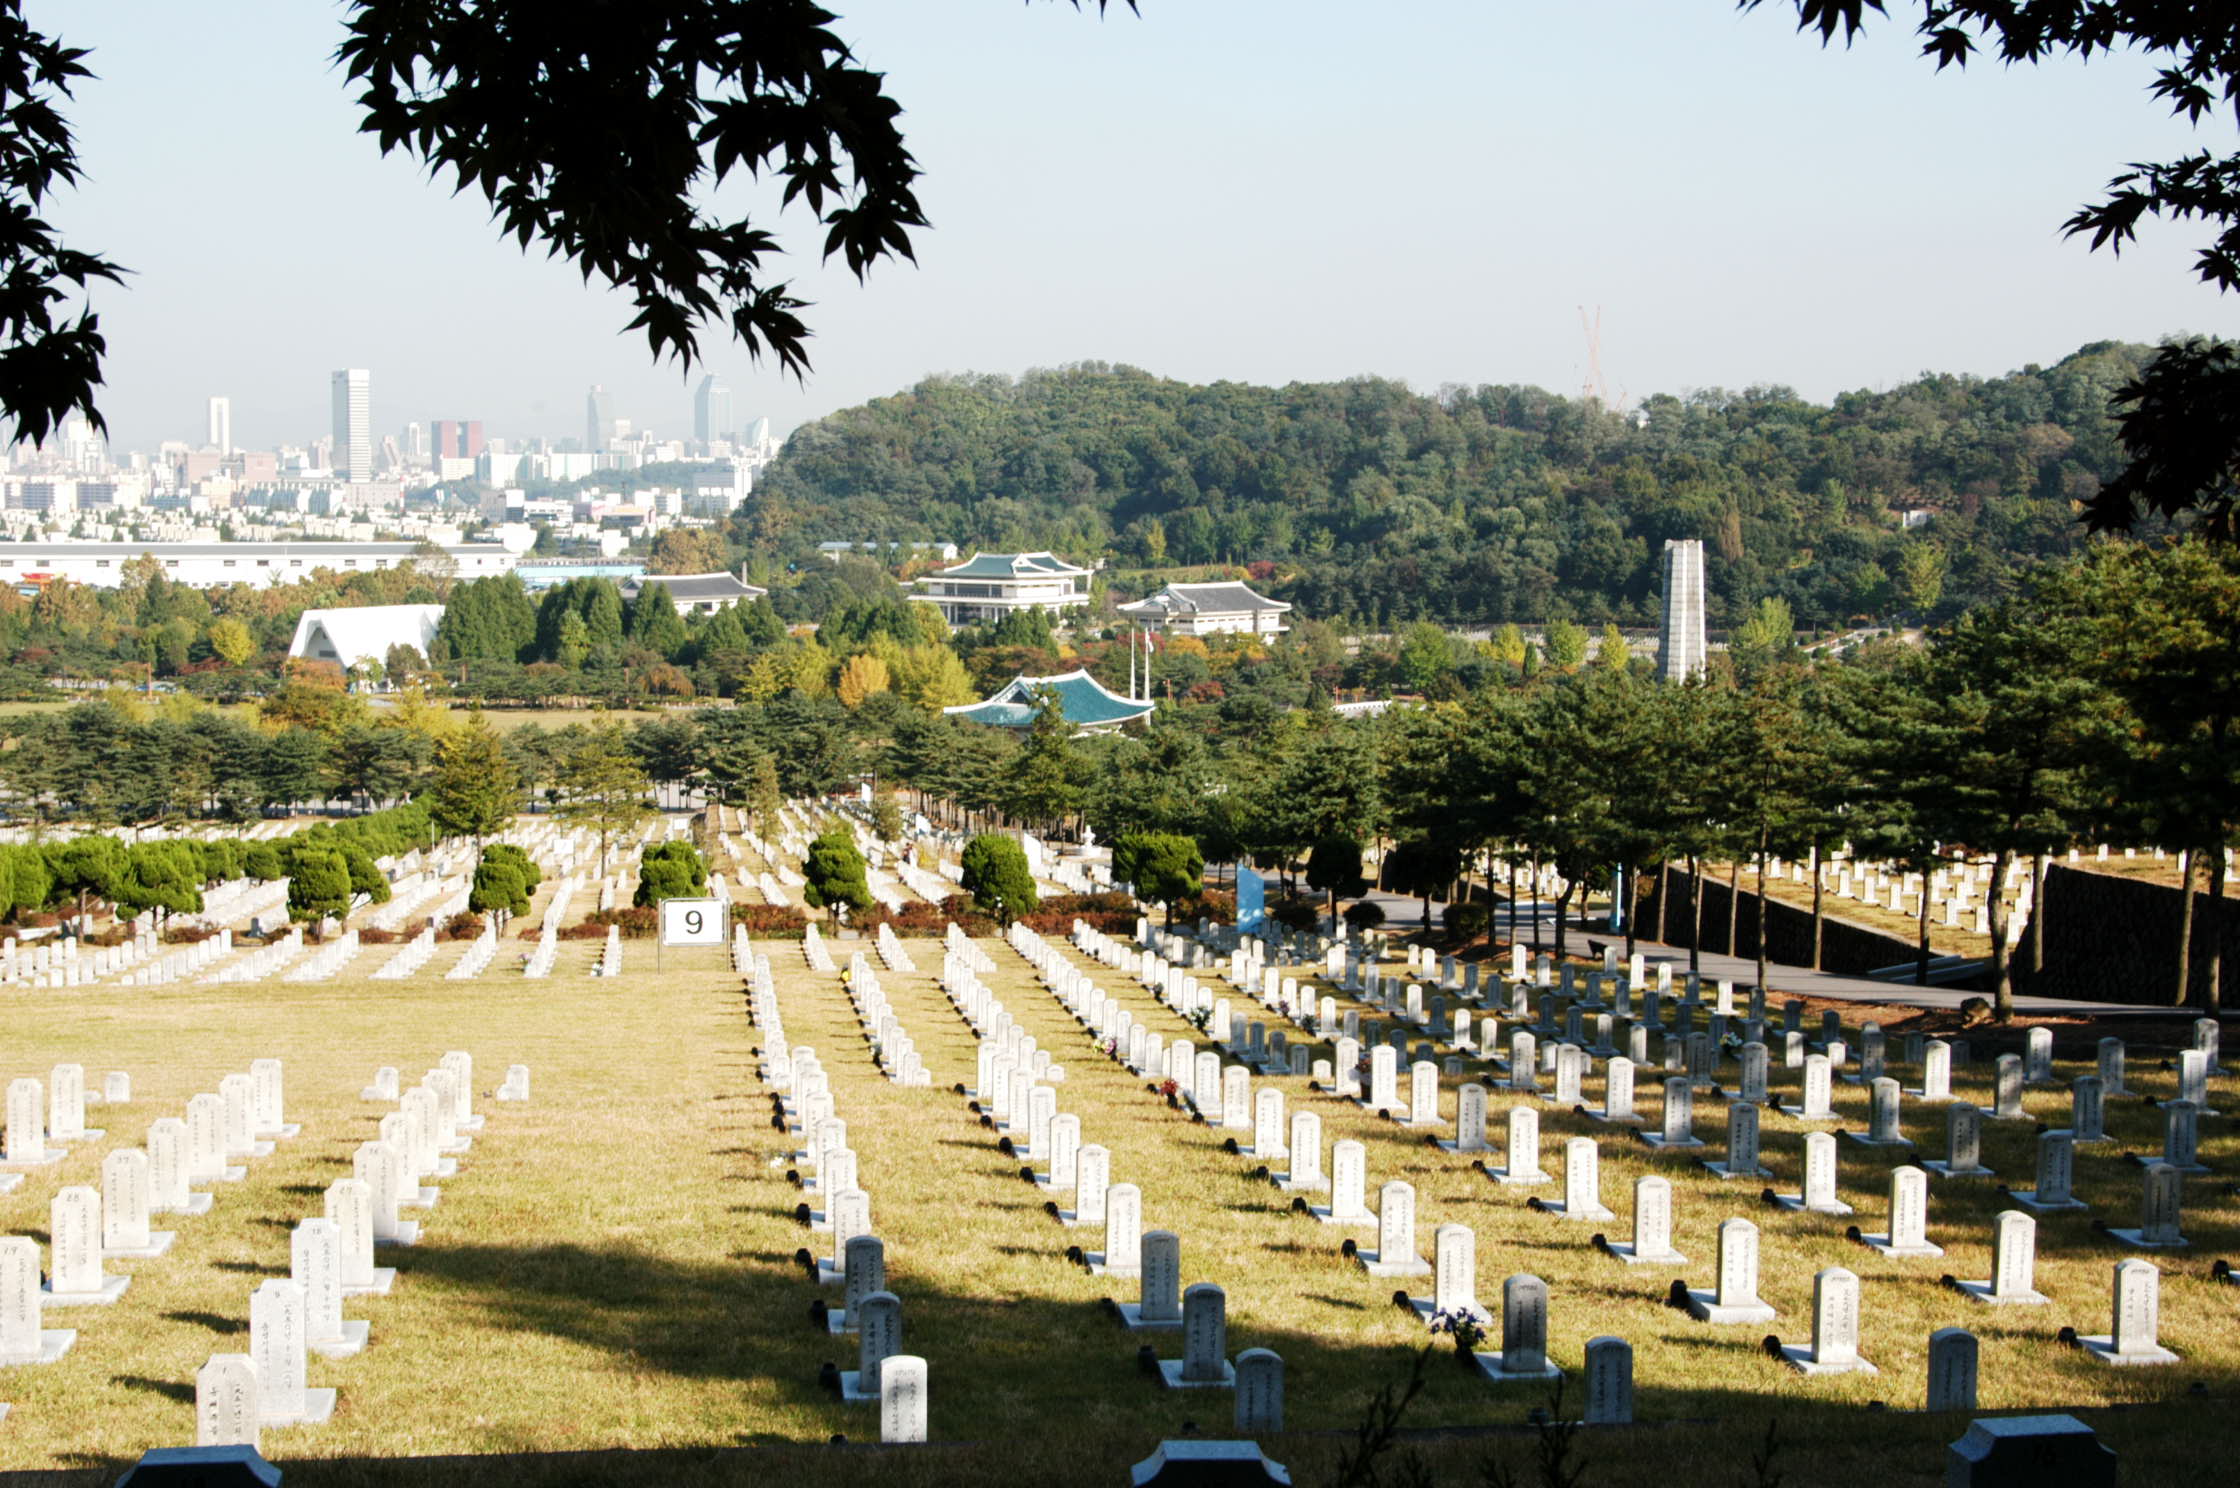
{"points": [[1262, 190]]}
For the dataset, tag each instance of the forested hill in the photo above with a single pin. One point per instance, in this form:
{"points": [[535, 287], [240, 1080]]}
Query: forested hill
{"points": [[1476, 504]]}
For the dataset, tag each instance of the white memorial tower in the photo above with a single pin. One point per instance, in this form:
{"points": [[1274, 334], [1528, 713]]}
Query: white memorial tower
{"points": [[1680, 648]]}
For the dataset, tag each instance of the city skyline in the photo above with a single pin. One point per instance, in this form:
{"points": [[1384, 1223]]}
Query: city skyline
{"points": [[1767, 212]]}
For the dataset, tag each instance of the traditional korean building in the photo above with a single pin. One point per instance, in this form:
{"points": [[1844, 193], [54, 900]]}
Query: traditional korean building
{"points": [[1221, 608], [1085, 702], [989, 586]]}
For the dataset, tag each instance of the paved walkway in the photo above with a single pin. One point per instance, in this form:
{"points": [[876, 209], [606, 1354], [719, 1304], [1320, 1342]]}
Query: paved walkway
{"points": [[1536, 925]]}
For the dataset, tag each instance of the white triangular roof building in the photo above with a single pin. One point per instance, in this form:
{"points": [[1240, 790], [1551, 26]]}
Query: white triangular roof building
{"points": [[364, 632]]}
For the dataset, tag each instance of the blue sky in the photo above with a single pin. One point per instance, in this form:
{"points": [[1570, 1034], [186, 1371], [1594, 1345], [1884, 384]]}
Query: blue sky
{"points": [[1261, 190]]}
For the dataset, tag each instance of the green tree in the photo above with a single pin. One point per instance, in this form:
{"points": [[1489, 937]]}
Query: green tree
{"points": [[886, 817], [670, 870], [318, 885], [475, 791], [1042, 788], [231, 642], [1164, 867], [1334, 869], [1426, 658], [998, 879], [498, 890], [1566, 645], [835, 874], [603, 787]]}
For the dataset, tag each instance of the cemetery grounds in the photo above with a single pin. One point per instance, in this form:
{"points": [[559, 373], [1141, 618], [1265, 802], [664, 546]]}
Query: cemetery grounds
{"points": [[614, 1264]]}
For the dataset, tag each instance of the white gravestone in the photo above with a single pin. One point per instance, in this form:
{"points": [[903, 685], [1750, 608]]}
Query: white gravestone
{"points": [[1159, 1303], [1652, 1226], [27, 1128], [1204, 1364], [1305, 1153], [878, 1319], [1349, 1193], [1259, 1392], [2014, 1258], [1735, 1298], [276, 1342], [1617, 1093], [1907, 1237], [22, 1339], [315, 1264], [350, 1211], [1454, 1286], [1395, 1254], [902, 1399], [1522, 1156], [1819, 1192], [1952, 1370], [1609, 1382], [1963, 1144], [866, 1266], [1524, 1334], [2056, 1168], [127, 1200], [75, 1276], [2161, 1193], [168, 1192], [1835, 1328], [226, 1403], [1742, 1145], [1122, 1255], [1582, 1182], [1092, 1180], [2137, 1316]]}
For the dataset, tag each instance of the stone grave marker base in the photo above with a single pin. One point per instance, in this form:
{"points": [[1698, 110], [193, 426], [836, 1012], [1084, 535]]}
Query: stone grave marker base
{"points": [[1170, 1375], [1705, 1307], [2029, 1200], [1944, 1169], [1377, 1266], [355, 1333], [1132, 1318], [1624, 1251], [1493, 1367], [1721, 1170], [53, 1344], [1980, 1291], [159, 1241], [2103, 1348], [408, 1233], [318, 1409], [112, 1288], [1800, 1359], [384, 1277], [1884, 1245], [2137, 1240]]}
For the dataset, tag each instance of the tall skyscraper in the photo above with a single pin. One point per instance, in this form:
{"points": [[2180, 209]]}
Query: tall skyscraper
{"points": [[1680, 647], [221, 425], [711, 411], [598, 420], [415, 441], [353, 424]]}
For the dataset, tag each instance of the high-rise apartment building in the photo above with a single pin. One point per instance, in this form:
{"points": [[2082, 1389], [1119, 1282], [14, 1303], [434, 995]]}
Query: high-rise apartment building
{"points": [[458, 439], [416, 441], [1680, 644], [353, 424], [221, 425], [711, 411], [598, 420]]}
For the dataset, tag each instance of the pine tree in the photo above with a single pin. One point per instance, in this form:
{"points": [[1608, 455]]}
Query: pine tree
{"points": [[476, 789]]}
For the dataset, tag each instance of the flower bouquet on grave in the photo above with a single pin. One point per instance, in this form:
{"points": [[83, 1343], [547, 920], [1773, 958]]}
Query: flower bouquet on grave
{"points": [[1172, 1092], [1198, 1018], [1466, 1330]]}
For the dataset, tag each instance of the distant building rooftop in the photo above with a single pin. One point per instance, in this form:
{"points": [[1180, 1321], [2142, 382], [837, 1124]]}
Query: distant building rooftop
{"points": [[1012, 566], [1084, 701]]}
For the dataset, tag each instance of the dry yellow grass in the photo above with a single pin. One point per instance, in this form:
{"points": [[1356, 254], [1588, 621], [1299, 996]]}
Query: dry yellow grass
{"points": [[612, 1268]]}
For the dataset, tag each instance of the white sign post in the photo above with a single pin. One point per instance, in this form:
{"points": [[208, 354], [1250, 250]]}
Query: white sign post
{"points": [[691, 922]]}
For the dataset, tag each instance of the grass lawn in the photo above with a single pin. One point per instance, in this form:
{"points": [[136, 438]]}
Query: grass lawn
{"points": [[613, 1265]]}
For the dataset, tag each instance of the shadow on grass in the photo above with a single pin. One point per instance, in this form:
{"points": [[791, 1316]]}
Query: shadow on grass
{"points": [[215, 1322], [181, 1390]]}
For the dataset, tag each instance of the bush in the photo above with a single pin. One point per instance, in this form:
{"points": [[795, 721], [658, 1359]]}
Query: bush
{"points": [[1114, 914], [638, 922], [1365, 914], [1294, 913], [1466, 919], [460, 927], [783, 922]]}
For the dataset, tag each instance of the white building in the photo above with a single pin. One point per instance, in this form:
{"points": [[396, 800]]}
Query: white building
{"points": [[353, 424], [210, 565], [989, 586], [349, 637], [700, 593], [1224, 608]]}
